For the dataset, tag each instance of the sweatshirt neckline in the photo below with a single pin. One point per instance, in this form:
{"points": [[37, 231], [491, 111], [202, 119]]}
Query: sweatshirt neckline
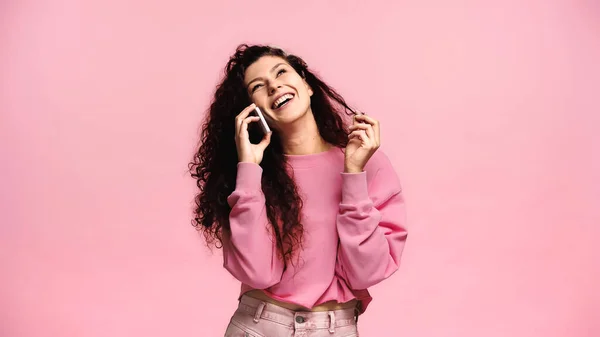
{"points": [[313, 159]]}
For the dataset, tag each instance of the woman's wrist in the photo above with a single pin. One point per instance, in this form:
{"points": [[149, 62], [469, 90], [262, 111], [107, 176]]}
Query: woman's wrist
{"points": [[352, 169]]}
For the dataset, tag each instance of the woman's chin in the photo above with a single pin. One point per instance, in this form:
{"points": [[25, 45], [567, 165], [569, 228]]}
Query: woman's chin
{"points": [[289, 122], [291, 117]]}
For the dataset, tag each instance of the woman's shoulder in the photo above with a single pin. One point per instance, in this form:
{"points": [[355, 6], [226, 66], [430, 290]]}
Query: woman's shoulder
{"points": [[379, 160], [381, 174]]}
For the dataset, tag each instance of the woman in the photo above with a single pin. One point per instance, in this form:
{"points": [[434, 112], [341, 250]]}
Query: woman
{"points": [[308, 215]]}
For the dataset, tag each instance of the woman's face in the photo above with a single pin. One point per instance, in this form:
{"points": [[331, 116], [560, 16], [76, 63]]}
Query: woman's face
{"points": [[281, 93]]}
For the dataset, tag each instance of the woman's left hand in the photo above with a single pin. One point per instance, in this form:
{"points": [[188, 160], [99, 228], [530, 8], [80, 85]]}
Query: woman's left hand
{"points": [[363, 142]]}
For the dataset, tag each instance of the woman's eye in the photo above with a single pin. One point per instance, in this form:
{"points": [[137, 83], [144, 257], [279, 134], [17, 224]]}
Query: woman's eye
{"points": [[256, 87], [280, 72]]}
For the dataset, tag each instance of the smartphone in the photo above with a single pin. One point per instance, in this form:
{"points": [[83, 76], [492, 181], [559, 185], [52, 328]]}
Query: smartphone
{"points": [[263, 122]]}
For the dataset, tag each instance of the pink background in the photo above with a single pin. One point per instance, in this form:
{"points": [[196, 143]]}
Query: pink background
{"points": [[490, 113]]}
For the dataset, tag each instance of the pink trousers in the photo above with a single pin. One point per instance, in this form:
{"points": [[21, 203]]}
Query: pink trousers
{"points": [[255, 318]]}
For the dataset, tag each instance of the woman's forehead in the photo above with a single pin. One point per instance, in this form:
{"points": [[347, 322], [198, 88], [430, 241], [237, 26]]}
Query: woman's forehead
{"points": [[263, 66]]}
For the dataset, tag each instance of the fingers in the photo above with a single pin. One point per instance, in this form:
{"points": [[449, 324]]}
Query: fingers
{"points": [[371, 124], [265, 141], [360, 135], [354, 111], [243, 127], [239, 119], [365, 127], [366, 119]]}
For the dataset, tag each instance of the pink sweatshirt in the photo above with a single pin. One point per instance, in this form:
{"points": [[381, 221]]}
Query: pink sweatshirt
{"points": [[354, 231]]}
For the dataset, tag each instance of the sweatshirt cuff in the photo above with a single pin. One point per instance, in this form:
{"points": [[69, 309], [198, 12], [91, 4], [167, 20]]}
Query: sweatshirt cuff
{"points": [[354, 187], [248, 176]]}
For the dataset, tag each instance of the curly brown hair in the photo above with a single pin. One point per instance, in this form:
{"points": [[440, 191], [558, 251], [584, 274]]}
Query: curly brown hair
{"points": [[214, 165]]}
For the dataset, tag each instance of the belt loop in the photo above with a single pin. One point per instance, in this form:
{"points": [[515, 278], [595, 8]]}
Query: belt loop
{"points": [[331, 322], [259, 311]]}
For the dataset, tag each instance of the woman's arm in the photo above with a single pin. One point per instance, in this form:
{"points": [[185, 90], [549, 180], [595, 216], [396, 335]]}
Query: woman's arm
{"points": [[371, 226], [249, 250]]}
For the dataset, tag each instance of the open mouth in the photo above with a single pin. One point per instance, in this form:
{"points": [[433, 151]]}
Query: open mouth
{"points": [[282, 101]]}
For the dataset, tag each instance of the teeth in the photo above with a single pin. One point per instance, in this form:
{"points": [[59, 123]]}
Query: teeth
{"points": [[282, 99]]}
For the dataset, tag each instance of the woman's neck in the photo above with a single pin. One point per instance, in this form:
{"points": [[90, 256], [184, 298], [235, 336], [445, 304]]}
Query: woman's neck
{"points": [[303, 139], [305, 144]]}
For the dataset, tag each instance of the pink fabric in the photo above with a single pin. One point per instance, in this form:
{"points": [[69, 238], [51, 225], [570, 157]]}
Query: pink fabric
{"points": [[354, 231], [254, 318]]}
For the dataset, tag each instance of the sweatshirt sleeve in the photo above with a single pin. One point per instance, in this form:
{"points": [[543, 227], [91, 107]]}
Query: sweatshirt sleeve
{"points": [[249, 251], [371, 226]]}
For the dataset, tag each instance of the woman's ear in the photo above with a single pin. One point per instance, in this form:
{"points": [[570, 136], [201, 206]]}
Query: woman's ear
{"points": [[308, 88]]}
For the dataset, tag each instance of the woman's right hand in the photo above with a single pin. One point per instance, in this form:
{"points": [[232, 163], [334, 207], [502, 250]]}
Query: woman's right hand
{"points": [[248, 152]]}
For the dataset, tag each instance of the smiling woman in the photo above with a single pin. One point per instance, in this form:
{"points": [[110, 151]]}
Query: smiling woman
{"points": [[296, 89], [309, 215]]}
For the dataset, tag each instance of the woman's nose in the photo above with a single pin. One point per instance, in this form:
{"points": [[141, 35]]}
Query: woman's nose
{"points": [[273, 87]]}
